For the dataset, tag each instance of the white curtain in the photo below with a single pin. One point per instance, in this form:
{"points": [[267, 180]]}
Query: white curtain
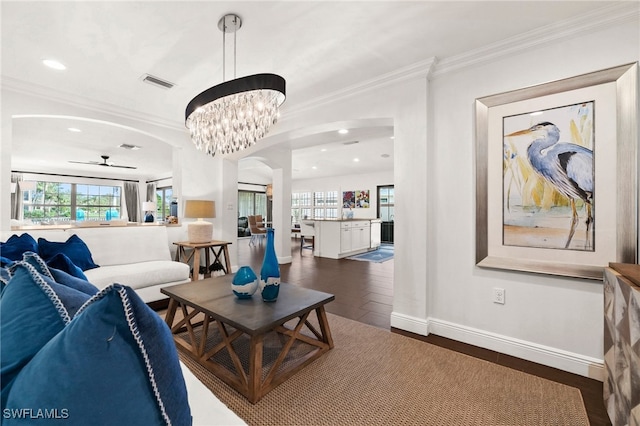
{"points": [[16, 197], [131, 201], [245, 204], [151, 192]]}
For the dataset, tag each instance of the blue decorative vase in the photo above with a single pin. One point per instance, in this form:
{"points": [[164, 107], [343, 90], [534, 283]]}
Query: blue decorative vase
{"points": [[270, 272], [244, 283]]}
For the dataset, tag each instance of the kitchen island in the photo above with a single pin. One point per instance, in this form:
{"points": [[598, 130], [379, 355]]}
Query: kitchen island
{"points": [[338, 238]]}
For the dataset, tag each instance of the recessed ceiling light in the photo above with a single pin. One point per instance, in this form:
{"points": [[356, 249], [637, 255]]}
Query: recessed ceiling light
{"points": [[392, 137], [52, 63], [323, 150], [314, 167], [356, 159], [343, 131], [73, 129]]}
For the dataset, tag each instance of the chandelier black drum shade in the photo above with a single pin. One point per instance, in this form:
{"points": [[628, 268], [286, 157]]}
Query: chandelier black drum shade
{"points": [[234, 114]]}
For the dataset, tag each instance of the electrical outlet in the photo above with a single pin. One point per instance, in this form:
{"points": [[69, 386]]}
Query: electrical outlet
{"points": [[498, 295]]}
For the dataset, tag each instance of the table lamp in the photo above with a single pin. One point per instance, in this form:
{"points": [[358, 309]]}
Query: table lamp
{"points": [[150, 208], [200, 231]]}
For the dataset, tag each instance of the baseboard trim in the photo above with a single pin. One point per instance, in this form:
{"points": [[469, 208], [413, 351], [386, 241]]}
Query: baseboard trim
{"points": [[541, 354], [409, 323]]}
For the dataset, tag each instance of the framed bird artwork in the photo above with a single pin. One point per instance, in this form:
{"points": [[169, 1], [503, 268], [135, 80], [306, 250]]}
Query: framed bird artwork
{"points": [[556, 175]]}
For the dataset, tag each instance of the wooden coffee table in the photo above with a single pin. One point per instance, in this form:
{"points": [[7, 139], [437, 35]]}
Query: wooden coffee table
{"points": [[205, 302]]}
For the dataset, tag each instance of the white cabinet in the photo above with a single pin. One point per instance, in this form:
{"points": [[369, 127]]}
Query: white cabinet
{"points": [[376, 233], [360, 235], [345, 238], [342, 238]]}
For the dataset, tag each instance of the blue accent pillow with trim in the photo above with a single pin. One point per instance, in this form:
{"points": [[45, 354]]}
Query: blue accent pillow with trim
{"points": [[74, 282], [5, 277], [61, 262], [59, 276], [74, 248], [115, 363], [16, 245], [33, 309]]}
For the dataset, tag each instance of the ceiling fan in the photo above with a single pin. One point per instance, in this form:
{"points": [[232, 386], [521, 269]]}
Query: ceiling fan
{"points": [[104, 163]]}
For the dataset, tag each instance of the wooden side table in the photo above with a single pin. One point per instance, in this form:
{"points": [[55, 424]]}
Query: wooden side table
{"points": [[218, 248]]}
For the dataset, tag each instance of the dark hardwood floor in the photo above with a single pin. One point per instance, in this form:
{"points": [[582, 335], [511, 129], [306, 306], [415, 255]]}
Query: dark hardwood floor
{"points": [[364, 292]]}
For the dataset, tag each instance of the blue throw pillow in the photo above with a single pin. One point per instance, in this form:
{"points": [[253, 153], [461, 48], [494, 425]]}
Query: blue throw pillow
{"points": [[115, 363], [16, 245], [59, 276], [5, 276], [74, 282], [61, 262], [74, 248], [33, 309]]}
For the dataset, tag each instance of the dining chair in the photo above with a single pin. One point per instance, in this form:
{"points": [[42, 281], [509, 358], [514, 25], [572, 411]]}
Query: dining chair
{"points": [[307, 235], [257, 233]]}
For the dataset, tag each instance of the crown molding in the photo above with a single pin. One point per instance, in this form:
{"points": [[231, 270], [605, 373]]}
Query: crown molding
{"points": [[35, 90], [415, 70], [608, 16]]}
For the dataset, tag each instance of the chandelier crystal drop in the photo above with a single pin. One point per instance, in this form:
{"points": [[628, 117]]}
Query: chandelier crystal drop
{"points": [[233, 115]]}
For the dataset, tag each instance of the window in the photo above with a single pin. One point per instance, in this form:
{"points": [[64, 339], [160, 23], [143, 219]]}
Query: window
{"points": [[58, 201], [386, 203], [300, 206], [163, 202], [331, 202], [323, 205], [252, 203]]}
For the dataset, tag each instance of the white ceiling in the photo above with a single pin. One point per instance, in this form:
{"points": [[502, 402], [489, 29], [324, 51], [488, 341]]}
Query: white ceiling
{"points": [[318, 47]]}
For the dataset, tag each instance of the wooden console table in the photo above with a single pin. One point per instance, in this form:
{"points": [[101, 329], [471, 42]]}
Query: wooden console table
{"points": [[218, 248]]}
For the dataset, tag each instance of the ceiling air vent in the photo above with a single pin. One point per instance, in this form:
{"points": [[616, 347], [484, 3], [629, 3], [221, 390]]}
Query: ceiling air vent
{"points": [[147, 78], [129, 146], [349, 143]]}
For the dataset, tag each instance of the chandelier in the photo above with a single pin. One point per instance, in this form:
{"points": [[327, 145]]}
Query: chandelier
{"points": [[234, 114]]}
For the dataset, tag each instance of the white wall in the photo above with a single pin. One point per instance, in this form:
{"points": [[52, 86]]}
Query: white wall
{"points": [[355, 182], [555, 321]]}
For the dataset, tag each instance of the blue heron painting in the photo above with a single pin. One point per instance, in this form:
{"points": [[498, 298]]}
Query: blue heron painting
{"points": [[548, 180]]}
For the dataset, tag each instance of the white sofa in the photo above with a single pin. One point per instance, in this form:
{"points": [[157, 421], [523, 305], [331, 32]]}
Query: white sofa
{"points": [[136, 256], [206, 409]]}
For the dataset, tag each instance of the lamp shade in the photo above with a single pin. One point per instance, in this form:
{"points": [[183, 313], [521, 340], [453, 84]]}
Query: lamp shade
{"points": [[199, 209], [149, 206]]}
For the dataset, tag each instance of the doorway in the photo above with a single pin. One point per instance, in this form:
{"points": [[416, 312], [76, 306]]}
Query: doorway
{"points": [[386, 212]]}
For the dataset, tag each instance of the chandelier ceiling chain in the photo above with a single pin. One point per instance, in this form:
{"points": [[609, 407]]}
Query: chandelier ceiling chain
{"points": [[234, 114]]}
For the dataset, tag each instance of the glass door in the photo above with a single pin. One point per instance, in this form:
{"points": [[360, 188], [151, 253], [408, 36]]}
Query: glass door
{"points": [[386, 212]]}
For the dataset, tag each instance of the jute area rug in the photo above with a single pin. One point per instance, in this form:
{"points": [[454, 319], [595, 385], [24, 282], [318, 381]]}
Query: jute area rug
{"points": [[375, 377]]}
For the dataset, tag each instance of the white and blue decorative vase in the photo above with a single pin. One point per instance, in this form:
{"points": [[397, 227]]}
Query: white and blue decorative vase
{"points": [[270, 272], [244, 283]]}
